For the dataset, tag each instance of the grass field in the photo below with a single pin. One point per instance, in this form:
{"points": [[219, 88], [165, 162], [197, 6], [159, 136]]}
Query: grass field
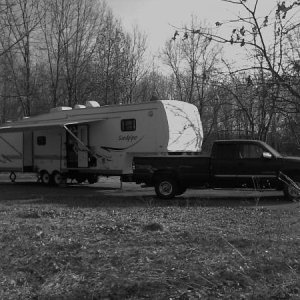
{"points": [[154, 250]]}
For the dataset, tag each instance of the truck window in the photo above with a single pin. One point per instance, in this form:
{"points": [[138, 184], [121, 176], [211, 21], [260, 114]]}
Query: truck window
{"points": [[128, 125], [225, 151], [250, 151]]}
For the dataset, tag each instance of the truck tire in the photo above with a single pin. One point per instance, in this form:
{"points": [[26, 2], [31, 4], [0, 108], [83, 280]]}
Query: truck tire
{"points": [[291, 193], [166, 187]]}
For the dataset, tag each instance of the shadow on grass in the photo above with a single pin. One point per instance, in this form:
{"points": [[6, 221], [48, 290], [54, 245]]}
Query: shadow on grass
{"points": [[130, 196]]}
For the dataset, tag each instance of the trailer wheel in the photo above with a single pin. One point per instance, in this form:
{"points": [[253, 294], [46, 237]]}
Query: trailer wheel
{"points": [[57, 178], [292, 193], [92, 179], [45, 177], [166, 187], [80, 179]]}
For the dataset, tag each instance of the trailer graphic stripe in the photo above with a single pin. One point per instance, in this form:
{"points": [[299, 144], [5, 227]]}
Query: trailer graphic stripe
{"points": [[121, 149], [10, 145], [45, 124], [9, 158]]}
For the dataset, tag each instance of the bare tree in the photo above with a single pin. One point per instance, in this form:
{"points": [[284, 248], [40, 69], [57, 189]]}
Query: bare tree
{"points": [[118, 61], [70, 31], [107, 57], [193, 60], [19, 22], [133, 58], [79, 44], [264, 35]]}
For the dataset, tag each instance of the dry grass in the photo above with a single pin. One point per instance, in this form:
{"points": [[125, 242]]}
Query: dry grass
{"points": [[51, 251]]}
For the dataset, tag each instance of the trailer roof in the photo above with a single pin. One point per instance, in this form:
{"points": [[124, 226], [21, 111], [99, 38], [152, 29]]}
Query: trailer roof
{"points": [[27, 124]]}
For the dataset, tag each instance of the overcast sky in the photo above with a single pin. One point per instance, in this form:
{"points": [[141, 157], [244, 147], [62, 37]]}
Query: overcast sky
{"points": [[156, 17]]}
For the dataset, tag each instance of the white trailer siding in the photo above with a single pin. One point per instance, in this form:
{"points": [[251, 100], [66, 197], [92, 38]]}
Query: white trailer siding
{"points": [[47, 150], [112, 144]]}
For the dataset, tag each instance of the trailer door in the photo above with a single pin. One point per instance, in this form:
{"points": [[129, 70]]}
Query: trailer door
{"points": [[28, 151], [77, 141], [82, 152]]}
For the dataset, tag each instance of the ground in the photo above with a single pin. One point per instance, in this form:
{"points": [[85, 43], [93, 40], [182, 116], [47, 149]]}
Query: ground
{"points": [[102, 242]]}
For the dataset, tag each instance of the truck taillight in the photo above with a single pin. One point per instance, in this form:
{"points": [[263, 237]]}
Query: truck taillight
{"points": [[133, 166]]}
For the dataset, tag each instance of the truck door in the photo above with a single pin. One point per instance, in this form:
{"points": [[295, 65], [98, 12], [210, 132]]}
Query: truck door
{"points": [[224, 165], [253, 170]]}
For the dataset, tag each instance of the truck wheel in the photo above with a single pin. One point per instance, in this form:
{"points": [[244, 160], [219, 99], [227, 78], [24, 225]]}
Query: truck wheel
{"points": [[57, 178], [45, 177], [166, 188], [291, 193]]}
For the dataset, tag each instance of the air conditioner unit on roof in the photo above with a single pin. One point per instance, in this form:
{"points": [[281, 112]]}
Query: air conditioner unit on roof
{"points": [[92, 104], [79, 106], [60, 108]]}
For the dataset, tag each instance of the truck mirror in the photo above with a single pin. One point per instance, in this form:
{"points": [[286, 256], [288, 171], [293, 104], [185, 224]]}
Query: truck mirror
{"points": [[267, 155]]}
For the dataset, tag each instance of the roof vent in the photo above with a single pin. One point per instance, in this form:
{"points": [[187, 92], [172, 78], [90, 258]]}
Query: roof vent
{"points": [[92, 104], [60, 108], [79, 106]]}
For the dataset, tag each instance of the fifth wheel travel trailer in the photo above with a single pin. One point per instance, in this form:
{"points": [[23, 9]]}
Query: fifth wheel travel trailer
{"points": [[90, 140]]}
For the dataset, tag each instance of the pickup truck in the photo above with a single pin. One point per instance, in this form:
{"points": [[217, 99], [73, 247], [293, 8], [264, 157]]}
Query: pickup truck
{"points": [[232, 164]]}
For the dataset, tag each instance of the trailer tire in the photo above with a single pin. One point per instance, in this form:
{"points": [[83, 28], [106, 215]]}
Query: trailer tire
{"points": [[45, 177], [291, 193], [56, 178], [80, 179], [92, 179], [166, 187]]}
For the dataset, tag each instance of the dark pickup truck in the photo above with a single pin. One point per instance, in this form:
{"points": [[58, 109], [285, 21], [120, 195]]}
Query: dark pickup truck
{"points": [[232, 164]]}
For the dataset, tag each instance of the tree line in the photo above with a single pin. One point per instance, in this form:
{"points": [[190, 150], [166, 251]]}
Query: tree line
{"points": [[64, 52]]}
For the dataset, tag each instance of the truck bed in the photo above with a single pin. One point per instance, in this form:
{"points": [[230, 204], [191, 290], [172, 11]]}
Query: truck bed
{"points": [[190, 170]]}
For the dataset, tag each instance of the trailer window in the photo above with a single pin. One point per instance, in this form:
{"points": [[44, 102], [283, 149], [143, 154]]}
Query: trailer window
{"points": [[41, 140], [128, 125]]}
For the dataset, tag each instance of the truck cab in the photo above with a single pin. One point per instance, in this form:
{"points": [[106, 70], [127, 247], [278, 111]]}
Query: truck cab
{"points": [[244, 163]]}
